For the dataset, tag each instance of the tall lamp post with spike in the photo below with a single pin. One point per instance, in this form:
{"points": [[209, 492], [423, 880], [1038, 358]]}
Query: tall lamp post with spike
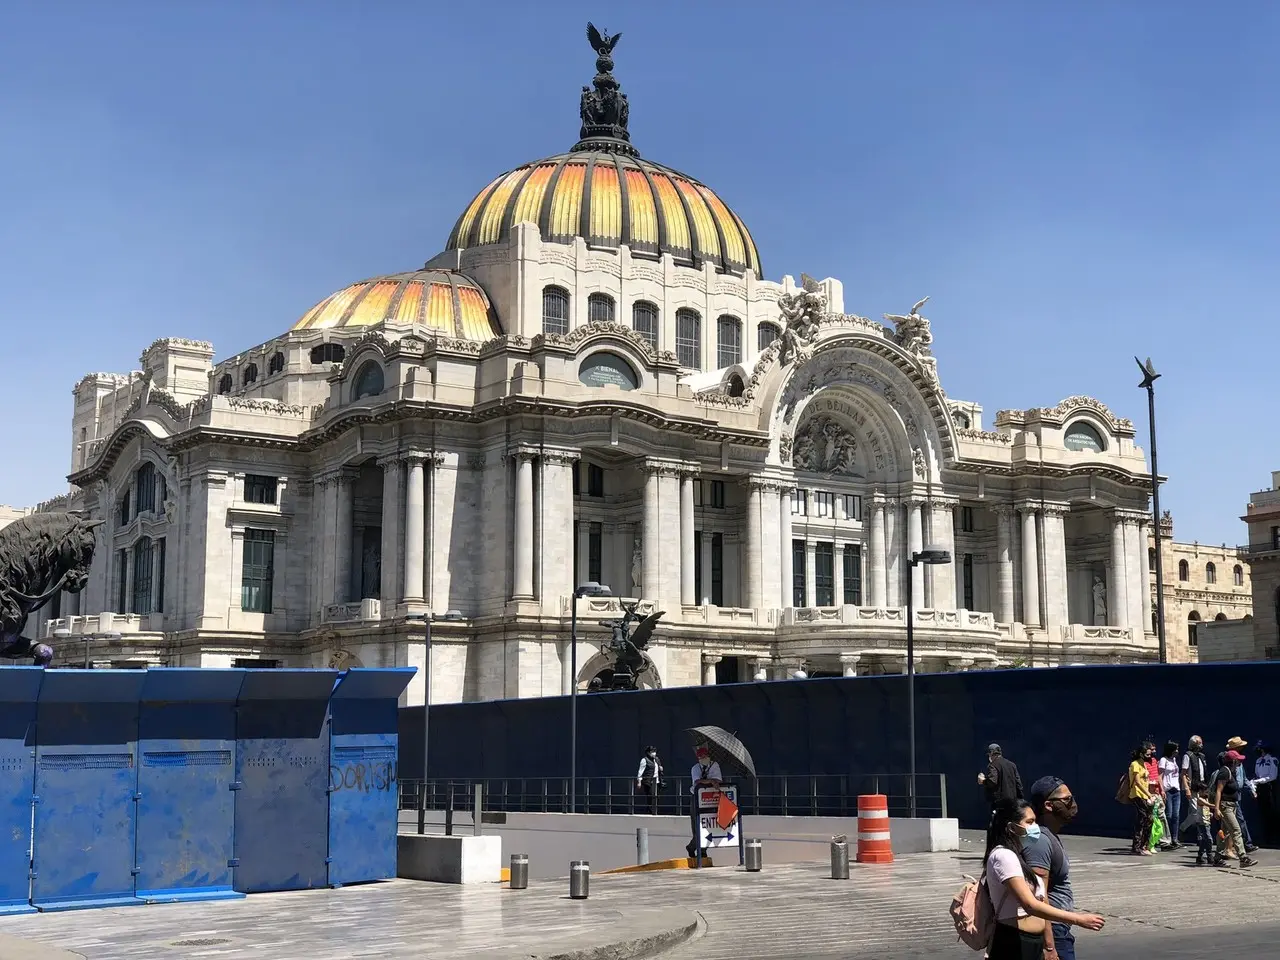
{"points": [[1149, 378]]}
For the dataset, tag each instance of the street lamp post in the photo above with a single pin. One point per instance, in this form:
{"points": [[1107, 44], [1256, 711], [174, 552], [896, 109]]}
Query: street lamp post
{"points": [[588, 589], [929, 555], [1149, 378], [427, 620]]}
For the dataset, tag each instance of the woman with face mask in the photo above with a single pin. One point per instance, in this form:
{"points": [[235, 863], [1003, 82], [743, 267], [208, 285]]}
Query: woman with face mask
{"points": [[1017, 893], [1141, 799]]}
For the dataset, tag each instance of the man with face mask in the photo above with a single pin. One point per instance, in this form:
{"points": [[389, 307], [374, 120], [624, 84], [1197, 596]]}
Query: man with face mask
{"points": [[649, 777], [1195, 777], [1055, 807]]}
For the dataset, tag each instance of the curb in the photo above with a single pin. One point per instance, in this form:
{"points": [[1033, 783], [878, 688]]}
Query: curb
{"points": [[665, 930], [675, 863], [11, 948]]}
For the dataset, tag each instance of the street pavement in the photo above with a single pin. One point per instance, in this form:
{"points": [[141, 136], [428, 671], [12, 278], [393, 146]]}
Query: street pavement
{"points": [[789, 910]]}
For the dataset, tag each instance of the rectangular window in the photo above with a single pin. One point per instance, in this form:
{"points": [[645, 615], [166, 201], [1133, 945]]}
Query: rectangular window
{"points": [[717, 494], [717, 569], [595, 480], [123, 513], [728, 341], [689, 339], [644, 320], [158, 606], [966, 519], [824, 574], [260, 489], [145, 498], [697, 566], [968, 581], [853, 574], [258, 571], [798, 598], [824, 504], [799, 503], [852, 506], [595, 537], [122, 581], [142, 561]]}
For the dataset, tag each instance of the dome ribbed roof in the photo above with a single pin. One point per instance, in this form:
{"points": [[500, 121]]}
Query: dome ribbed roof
{"points": [[443, 300], [610, 199]]}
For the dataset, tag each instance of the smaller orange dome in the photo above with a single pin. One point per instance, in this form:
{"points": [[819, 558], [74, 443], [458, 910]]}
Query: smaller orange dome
{"points": [[449, 302]]}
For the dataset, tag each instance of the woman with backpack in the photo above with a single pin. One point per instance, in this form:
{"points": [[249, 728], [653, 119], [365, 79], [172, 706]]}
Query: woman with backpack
{"points": [[1021, 914]]}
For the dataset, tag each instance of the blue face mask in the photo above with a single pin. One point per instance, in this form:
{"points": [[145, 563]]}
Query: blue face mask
{"points": [[1031, 831]]}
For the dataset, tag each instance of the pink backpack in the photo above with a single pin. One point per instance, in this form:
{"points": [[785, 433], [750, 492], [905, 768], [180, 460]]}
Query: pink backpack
{"points": [[973, 913]]}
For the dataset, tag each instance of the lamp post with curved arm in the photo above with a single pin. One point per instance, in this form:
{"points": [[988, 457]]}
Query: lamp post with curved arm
{"points": [[928, 555], [588, 589]]}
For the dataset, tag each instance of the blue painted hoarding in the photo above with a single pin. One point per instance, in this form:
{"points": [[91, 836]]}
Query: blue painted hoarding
{"points": [[19, 689]]}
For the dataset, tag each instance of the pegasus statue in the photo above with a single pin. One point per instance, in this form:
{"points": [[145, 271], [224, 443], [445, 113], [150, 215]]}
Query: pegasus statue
{"points": [[40, 556], [627, 648]]}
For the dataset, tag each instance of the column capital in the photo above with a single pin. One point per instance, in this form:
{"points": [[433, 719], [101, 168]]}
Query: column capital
{"points": [[1055, 509], [1125, 515], [663, 468], [521, 452], [428, 458], [762, 483], [560, 455], [944, 503], [1004, 511], [391, 459], [914, 500], [1028, 506], [710, 659], [850, 659]]}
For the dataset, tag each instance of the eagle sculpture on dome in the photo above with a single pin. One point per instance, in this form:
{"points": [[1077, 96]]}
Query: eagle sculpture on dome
{"points": [[601, 42]]}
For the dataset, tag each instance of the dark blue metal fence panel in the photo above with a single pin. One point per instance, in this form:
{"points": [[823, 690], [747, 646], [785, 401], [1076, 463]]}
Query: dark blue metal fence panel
{"points": [[186, 806], [363, 796], [19, 689], [282, 771], [85, 786]]}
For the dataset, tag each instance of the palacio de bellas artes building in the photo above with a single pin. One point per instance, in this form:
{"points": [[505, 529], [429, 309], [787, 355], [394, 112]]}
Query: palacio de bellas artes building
{"points": [[594, 381]]}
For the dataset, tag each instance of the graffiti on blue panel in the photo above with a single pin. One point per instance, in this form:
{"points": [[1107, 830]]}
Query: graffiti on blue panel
{"points": [[363, 769]]}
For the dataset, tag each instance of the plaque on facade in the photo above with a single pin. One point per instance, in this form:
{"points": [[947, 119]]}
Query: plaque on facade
{"points": [[1081, 436], [606, 369]]}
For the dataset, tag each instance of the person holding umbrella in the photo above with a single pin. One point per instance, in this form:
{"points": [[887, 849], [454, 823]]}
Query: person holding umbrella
{"points": [[705, 773]]}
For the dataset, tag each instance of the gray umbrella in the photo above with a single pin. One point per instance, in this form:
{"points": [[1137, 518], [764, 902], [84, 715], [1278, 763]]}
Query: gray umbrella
{"points": [[725, 748]]}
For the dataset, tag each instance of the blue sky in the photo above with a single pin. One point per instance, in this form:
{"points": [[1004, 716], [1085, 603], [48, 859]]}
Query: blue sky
{"points": [[1071, 183]]}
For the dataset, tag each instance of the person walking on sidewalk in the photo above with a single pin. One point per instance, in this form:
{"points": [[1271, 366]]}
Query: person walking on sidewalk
{"points": [[1017, 894], [1238, 745], [1171, 787], [649, 777], [1002, 780], [1203, 811], [1140, 798], [1226, 798], [1195, 781], [1055, 807]]}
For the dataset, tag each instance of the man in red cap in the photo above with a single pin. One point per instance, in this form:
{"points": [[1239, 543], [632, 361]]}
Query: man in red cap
{"points": [[1226, 800], [705, 773]]}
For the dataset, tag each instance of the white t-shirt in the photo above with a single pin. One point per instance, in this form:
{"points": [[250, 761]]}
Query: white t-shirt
{"points": [[1170, 779], [1001, 866], [696, 774]]}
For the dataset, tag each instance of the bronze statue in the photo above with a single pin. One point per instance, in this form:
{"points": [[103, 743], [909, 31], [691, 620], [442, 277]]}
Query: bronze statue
{"points": [[627, 648], [604, 109], [40, 556]]}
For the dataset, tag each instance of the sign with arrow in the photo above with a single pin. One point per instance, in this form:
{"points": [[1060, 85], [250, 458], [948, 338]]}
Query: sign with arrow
{"points": [[718, 816]]}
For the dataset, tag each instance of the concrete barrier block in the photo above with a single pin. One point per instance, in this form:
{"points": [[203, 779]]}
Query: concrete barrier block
{"points": [[449, 859]]}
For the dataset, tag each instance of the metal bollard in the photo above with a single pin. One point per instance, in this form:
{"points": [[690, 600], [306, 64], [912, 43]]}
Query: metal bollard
{"points": [[579, 879], [519, 871], [754, 856], [839, 858], [642, 845]]}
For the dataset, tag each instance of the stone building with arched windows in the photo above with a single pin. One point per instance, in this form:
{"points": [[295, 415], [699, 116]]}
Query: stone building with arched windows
{"points": [[594, 381]]}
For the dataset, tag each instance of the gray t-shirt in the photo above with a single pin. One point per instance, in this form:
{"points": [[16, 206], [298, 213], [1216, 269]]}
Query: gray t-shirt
{"points": [[1046, 853]]}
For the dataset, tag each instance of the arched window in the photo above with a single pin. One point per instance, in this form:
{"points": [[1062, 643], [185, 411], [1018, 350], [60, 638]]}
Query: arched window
{"points": [[962, 420], [226, 383], [736, 387], [1193, 628], [600, 308], [328, 353], [1221, 616], [728, 341], [369, 381], [1237, 575], [145, 483], [766, 333], [555, 310], [644, 321], [250, 374], [1184, 570], [276, 364], [689, 338], [1210, 573]]}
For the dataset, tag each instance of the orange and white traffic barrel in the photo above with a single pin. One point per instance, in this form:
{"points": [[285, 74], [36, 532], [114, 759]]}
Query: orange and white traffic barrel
{"points": [[873, 829]]}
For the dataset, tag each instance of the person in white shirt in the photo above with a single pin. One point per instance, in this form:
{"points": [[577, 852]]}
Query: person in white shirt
{"points": [[704, 773], [1017, 893], [1171, 786], [649, 777], [1266, 769]]}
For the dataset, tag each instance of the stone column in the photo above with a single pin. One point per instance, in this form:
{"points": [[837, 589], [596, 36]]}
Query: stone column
{"points": [[522, 540], [1147, 583], [810, 573], [1004, 564], [327, 543], [751, 547], [893, 554], [688, 595], [1138, 584], [849, 663], [1055, 566], [392, 507], [709, 662], [414, 529], [915, 543], [876, 565], [554, 540], [651, 551], [344, 546], [1030, 568], [566, 665], [943, 531], [583, 573], [785, 564], [1117, 585]]}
